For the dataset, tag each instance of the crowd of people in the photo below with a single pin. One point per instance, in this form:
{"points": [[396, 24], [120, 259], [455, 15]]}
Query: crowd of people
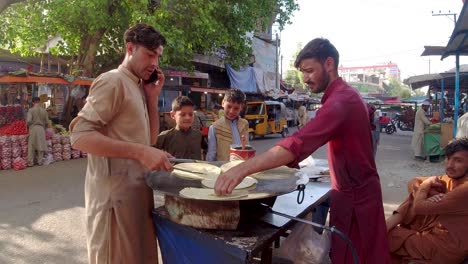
{"points": [[118, 127]]}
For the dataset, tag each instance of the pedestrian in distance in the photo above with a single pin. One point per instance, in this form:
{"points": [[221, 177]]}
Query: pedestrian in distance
{"points": [[420, 121], [37, 120]]}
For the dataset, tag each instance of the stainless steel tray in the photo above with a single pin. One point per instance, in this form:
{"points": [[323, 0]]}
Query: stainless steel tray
{"points": [[168, 183]]}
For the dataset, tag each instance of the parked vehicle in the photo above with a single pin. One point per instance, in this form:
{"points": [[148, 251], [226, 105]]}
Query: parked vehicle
{"points": [[404, 124], [268, 117], [390, 128]]}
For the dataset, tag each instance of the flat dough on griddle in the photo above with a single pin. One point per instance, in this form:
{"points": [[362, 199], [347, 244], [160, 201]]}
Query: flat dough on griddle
{"points": [[282, 172], [226, 166], [207, 171], [209, 194], [247, 182]]}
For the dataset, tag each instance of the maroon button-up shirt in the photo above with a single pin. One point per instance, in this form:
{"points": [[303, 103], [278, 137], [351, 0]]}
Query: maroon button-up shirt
{"points": [[356, 196]]}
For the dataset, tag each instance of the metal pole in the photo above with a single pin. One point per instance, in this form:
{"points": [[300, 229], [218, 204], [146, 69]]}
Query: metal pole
{"points": [[276, 69], [457, 92], [442, 100]]}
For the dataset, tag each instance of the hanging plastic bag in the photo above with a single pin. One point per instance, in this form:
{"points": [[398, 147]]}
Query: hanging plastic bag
{"points": [[304, 245]]}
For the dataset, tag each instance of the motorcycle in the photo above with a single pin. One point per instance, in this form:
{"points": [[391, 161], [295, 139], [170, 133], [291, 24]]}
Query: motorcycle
{"points": [[390, 128], [402, 124]]}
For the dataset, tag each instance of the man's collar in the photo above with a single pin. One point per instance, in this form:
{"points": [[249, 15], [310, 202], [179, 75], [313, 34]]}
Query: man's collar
{"points": [[128, 73], [331, 87]]}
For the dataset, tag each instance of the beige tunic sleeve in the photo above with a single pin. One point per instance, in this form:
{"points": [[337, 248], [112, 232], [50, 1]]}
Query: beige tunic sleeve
{"points": [[103, 103]]}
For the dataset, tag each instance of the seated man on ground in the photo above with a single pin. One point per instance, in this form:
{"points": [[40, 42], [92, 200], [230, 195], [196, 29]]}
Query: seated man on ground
{"points": [[431, 226]]}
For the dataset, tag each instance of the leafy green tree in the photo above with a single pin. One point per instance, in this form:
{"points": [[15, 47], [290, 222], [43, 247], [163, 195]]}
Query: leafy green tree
{"points": [[293, 76], [397, 88], [91, 30]]}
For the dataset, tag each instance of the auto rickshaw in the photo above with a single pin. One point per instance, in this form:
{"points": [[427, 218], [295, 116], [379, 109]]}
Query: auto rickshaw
{"points": [[268, 117]]}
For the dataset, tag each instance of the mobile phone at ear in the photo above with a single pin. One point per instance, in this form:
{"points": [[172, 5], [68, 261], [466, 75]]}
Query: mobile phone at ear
{"points": [[153, 77]]}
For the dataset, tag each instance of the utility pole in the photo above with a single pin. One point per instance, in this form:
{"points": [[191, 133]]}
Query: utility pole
{"points": [[276, 60], [447, 14]]}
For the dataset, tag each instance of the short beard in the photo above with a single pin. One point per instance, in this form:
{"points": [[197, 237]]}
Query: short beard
{"points": [[325, 81]]}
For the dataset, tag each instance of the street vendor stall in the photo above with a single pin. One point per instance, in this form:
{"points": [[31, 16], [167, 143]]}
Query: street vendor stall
{"points": [[16, 93], [202, 230], [432, 142]]}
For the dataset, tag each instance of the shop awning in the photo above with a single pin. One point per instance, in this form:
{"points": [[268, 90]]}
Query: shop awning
{"points": [[433, 51], [38, 79], [392, 101], [458, 43]]}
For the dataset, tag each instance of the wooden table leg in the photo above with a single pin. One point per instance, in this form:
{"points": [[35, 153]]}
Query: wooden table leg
{"points": [[267, 255]]}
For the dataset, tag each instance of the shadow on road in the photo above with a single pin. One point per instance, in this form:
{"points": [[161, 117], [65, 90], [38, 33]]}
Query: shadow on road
{"points": [[41, 208]]}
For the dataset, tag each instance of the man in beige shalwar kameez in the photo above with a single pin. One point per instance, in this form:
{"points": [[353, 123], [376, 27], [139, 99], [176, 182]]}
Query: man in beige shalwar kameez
{"points": [[420, 120], [116, 127], [303, 116], [37, 120], [431, 225]]}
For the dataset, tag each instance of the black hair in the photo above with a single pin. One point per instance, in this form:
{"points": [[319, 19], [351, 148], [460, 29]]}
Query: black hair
{"points": [[456, 145], [181, 101], [234, 96], [319, 49], [144, 35], [36, 100]]}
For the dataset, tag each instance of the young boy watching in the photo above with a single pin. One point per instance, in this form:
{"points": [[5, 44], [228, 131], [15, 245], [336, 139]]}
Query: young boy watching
{"points": [[227, 130], [182, 141]]}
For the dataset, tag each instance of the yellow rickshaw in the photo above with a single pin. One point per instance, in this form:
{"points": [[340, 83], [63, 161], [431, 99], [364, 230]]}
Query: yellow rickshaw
{"points": [[268, 117]]}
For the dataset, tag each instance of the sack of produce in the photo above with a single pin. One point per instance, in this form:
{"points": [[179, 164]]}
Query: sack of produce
{"points": [[65, 139], [23, 140], [6, 152], [57, 152], [56, 139], [75, 154], [66, 154], [24, 151], [15, 150], [19, 164], [49, 133], [6, 163]]}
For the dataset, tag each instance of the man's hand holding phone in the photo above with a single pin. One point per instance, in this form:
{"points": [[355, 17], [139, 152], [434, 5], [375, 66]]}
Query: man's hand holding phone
{"points": [[154, 84]]}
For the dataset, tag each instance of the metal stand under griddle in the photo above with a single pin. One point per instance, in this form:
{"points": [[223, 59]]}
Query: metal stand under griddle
{"points": [[184, 244]]}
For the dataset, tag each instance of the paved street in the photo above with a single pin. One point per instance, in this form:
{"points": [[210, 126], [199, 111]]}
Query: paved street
{"points": [[41, 208]]}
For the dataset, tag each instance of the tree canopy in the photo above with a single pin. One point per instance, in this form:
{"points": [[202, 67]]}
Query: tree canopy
{"points": [[90, 32]]}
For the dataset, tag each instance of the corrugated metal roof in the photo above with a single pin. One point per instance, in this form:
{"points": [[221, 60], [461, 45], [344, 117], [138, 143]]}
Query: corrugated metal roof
{"points": [[433, 51], [458, 43]]}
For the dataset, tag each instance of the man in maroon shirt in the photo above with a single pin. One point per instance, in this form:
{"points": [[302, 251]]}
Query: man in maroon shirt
{"points": [[343, 123]]}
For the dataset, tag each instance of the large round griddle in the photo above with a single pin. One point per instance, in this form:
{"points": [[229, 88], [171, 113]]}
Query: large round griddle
{"points": [[168, 183]]}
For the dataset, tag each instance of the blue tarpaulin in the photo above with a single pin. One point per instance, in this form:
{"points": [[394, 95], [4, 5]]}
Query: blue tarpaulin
{"points": [[185, 245], [244, 79]]}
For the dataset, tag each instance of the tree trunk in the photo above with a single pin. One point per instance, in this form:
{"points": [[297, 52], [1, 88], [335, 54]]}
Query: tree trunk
{"points": [[88, 50]]}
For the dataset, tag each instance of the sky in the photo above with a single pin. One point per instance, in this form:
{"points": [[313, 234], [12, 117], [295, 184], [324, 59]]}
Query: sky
{"points": [[372, 32]]}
